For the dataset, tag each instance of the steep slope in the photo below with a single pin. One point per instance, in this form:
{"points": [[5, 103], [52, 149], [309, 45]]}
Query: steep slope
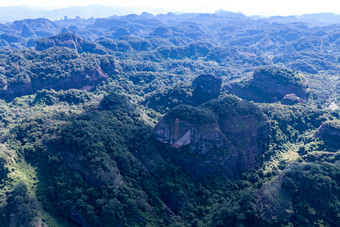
{"points": [[55, 68], [271, 85], [329, 132], [71, 41], [299, 193], [223, 136]]}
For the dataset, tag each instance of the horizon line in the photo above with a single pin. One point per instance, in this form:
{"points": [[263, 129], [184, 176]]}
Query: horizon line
{"points": [[164, 11]]}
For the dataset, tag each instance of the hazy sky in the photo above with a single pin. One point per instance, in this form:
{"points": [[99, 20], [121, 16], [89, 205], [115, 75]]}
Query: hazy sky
{"points": [[249, 7]]}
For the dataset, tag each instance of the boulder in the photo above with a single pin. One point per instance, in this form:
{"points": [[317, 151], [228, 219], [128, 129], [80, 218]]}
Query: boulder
{"points": [[329, 132], [291, 99]]}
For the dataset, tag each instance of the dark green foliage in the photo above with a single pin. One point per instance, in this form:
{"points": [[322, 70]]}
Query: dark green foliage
{"points": [[235, 107], [28, 71], [114, 101], [315, 193], [165, 100], [51, 97], [96, 162], [21, 209], [289, 76], [192, 114]]}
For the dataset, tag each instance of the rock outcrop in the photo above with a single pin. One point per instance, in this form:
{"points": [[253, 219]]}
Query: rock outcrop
{"points": [[271, 85], [224, 136], [333, 106], [206, 87], [71, 41], [329, 132], [85, 80], [291, 99], [54, 69]]}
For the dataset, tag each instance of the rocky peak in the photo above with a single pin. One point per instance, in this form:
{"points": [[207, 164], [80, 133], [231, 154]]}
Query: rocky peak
{"points": [[329, 132], [291, 99], [271, 84], [221, 137], [206, 87]]}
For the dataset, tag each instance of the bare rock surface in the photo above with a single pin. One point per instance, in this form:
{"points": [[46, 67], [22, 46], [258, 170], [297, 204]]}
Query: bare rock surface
{"points": [[271, 85], [222, 136]]}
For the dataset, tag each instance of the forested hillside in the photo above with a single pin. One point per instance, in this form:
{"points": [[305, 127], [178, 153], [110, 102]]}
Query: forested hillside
{"points": [[170, 120]]}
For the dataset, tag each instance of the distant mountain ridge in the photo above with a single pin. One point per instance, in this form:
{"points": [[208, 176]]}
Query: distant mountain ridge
{"points": [[12, 13]]}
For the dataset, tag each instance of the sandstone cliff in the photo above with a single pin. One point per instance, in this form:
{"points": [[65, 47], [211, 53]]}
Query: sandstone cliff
{"points": [[56, 68], [271, 85], [206, 87], [224, 136], [291, 99]]}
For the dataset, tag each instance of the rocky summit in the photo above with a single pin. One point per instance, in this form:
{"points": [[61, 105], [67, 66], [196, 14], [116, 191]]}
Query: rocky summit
{"points": [[206, 87], [221, 137], [329, 131], [271, 84]]}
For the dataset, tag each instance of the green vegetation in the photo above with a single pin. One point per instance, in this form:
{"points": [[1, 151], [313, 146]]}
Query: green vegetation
{"points": [[192, 114], [77, 146], [289, 76]]}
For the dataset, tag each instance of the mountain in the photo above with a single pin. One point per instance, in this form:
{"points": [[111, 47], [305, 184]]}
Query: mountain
{"points": [[190, 119], [99, 11]]}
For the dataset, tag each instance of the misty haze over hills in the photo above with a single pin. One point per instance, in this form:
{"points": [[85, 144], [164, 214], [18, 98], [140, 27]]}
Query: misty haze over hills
{"points": [[12, 13], [109, 118]]}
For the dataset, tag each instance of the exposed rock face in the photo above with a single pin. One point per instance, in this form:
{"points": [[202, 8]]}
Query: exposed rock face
{"points": [[333, 106], [55, 69], [329, 132], [271, 85], [71, 41], [220, 137], [291, 99], [85, 80], [206, 87]]}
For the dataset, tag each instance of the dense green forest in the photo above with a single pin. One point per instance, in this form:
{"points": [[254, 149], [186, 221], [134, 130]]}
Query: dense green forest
{"points": [[169, 120]]}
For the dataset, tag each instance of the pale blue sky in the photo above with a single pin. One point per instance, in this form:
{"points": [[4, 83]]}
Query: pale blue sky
{"points": [[249, 7]]}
